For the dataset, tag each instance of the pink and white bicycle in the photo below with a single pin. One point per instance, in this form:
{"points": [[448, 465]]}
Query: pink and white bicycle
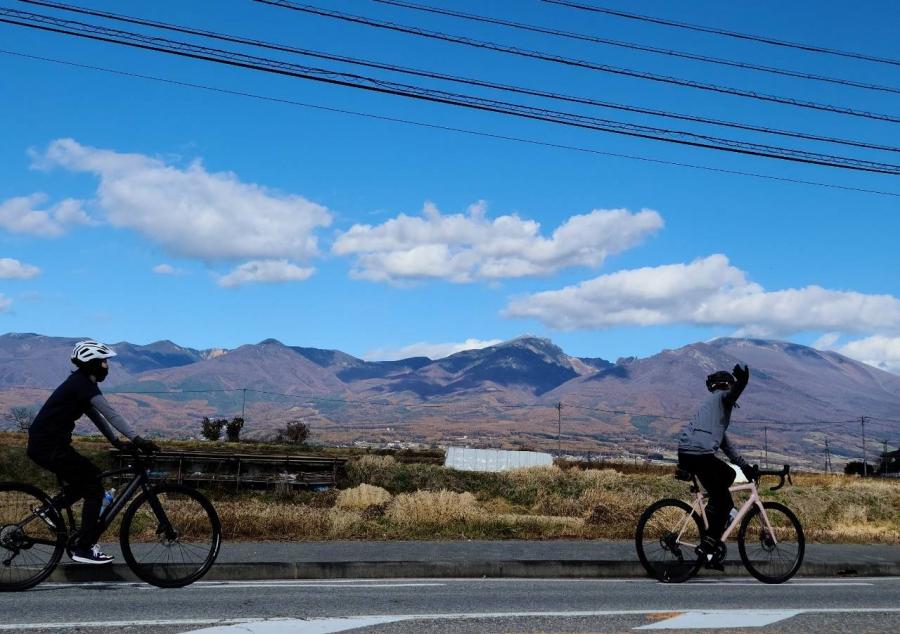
{"points": [[769, 536]]}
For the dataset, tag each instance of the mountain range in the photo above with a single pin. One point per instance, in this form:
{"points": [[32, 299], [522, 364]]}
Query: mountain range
{"points": [[517, 393]]}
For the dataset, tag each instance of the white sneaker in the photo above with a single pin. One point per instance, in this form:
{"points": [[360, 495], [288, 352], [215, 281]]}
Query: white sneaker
{"points": [[92, 555]]}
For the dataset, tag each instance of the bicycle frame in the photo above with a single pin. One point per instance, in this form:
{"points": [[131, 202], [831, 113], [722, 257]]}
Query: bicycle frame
{"points": [[139, 481], [698, 507]]}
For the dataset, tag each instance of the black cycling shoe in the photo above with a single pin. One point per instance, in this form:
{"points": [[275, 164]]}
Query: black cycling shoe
{"points": [[92, 555], [712, 552]]}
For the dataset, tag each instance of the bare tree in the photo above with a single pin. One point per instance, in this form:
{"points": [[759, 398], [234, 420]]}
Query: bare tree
{"points": [[21, 417]]}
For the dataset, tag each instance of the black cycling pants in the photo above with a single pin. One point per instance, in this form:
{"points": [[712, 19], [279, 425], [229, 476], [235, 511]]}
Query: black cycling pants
{"points": [[82, 480], [716, 476]]}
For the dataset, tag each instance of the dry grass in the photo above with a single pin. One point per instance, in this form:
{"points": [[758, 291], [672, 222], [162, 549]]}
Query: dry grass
{"points": [[387, 499], [362, 497], [424, 508]]}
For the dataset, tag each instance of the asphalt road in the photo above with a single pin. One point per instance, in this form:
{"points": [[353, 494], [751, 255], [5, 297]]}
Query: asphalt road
{"points": [[457, 605]]}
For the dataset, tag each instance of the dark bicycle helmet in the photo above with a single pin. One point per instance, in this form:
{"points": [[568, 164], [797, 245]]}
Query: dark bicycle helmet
{"points": [[720, 380]]}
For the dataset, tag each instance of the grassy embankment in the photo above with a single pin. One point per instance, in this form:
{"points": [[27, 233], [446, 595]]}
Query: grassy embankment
{"points": [[381, 498]]}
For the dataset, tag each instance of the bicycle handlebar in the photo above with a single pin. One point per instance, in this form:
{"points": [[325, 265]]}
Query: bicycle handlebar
{"points": [[784, 472]]}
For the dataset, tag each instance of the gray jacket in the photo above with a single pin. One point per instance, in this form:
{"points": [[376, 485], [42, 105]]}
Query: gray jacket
{"points": [[705, 433]]}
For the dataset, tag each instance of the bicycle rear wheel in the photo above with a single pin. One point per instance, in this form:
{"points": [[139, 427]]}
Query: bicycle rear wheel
{"points": [[772, 556], [665, 537], [32, 536], [170, 536]]}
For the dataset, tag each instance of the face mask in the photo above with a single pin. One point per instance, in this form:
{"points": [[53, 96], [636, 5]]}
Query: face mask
{"points": [[98, 371]]}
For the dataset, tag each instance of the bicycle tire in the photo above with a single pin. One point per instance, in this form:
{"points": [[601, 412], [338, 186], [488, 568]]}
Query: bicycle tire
{"points": [[198, 535], [784, 557], [17, 504], [658, 524]]}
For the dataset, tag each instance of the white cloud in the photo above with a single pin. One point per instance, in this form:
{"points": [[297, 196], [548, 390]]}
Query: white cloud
{"points": [[21, 215], [706, 292], [467, 247], [257, 271], [826, 341], [5, 303], [13, 269], [166, 269], [878, 350], [430, 350], [192, 212]]}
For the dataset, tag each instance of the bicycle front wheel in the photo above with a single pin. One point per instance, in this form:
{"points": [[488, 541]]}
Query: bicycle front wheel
{"points": [[170, 535], [32, 536], [771, 552], [666, 535]]}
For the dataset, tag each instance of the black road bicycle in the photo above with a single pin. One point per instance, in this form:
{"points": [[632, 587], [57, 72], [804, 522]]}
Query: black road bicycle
{"points": [[170, 534]]}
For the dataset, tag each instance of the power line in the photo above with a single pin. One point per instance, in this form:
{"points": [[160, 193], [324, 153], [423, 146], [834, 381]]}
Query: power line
{"points": [[183, 49], [558, 59], [445, 128], [533, 28], [718, 31], [457, 79]]}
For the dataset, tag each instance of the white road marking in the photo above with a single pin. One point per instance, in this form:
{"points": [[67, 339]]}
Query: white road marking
{"points": [[298, 626], [789, 584], [721, 620], [245, 585], [247, 623]]}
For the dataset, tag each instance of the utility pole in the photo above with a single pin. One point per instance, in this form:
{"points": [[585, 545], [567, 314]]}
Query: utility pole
{"points": [[766, 443], [243, 402], [862, 422], [827, 457], [884, 457], [559, 428]]}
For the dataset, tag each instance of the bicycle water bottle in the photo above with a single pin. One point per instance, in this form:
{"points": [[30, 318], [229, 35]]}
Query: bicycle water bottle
{"points": [[731, 516], [108, 496]]}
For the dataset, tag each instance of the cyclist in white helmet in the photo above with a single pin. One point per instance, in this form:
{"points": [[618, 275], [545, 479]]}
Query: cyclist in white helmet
{"points": [[50, 440]]}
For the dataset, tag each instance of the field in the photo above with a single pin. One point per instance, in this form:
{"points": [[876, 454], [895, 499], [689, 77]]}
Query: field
{"points": [[380, 497]]}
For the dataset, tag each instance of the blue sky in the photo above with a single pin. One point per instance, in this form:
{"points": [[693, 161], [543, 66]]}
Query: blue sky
{"points": [[138, 210]]}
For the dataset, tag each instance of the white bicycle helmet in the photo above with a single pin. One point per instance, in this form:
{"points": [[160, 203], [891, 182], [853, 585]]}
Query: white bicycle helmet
{"points": [[85, 351]]}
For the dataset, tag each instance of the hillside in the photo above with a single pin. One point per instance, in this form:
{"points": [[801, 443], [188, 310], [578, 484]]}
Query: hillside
{"points": [[503, 394]]}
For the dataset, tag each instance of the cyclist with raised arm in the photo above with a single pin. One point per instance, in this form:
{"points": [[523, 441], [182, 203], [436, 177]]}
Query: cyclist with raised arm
{"points": [[701, 438], [50, 440]]}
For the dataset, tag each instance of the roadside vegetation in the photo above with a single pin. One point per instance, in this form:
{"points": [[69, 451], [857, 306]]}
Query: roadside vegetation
{"points": [[381, 497]]}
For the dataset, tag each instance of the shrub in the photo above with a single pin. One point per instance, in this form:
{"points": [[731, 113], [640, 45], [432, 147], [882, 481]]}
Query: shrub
{"points": [[432, 507], [212, 429], [361, 497], [295, 433], [371, 468], [855, 467], [233, 429]]}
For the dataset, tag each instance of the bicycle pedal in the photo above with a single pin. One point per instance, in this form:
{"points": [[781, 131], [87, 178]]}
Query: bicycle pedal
{"points": [[715, 565]]}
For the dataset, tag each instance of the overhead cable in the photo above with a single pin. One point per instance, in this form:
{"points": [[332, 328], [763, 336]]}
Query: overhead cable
{"points": [[462, 80], [79, 29], [558, 59], [718, 31], [533, 28], [445, 128]]}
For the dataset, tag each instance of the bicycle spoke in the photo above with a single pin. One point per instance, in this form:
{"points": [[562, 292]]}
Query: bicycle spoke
{"points": [[182, 551], [772, 552], [664, 535]]}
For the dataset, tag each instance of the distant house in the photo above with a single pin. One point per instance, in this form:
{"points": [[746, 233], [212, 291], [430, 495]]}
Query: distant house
{"points": [[890, 463]]}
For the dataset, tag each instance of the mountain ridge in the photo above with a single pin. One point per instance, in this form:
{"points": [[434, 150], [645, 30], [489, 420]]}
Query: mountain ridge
{"points": [[509, 389]]}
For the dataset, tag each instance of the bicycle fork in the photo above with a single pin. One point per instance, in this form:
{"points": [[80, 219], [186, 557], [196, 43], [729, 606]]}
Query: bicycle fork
{"points": [[165, 526]]}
